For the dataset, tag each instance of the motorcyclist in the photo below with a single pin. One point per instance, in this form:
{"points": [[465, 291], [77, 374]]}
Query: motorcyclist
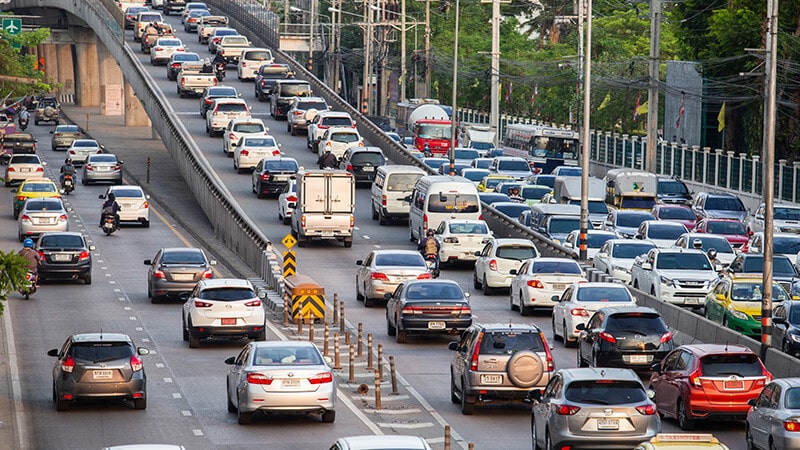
{"points": [[715, 262], [327, 159], [24, 116], [67, 169], [219, 59], [207, 66], [513, 195], [426, 150], [31, 255], [429, 246], [152, 28], [110, 206]]}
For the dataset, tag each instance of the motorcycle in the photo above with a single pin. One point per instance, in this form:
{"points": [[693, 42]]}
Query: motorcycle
{"points": [[220, 71], [69, 184], [110, 224], [29, 288], [432, 261]]}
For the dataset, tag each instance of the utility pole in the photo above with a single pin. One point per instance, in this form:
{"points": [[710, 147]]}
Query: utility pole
{"points": [[365, 92], [403, 50], [311, 38], [455, 97], [427, 49], [587, 77], [652, 94], [494, 113]]}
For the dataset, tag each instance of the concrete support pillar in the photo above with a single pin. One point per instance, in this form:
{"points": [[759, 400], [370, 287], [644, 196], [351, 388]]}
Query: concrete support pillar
{"points": [[66, 70], [135, 115], [50, 54], [111, 81], [88, 77]]}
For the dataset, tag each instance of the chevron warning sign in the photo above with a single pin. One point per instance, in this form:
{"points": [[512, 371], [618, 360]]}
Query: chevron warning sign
{"points": [[289, 263], [304, 305]]}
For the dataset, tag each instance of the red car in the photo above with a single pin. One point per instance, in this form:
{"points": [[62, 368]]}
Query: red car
{"points": [[675, 213], [705, 381], [732, 229]]}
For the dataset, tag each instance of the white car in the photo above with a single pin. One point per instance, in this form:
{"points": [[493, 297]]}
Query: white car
{"points": [[616, 257], [594, 240], [496, 260], [250, 150], [223, 111], [133, 202], [323, 121], [706, 241], [164, 48], [384, 270], [237, 128], [23, 166], [223, 308], [539, 280], [786, 244], [579, 301], [660, 232], [287, 200], [679, 276], [339, 140], [785, 218], [251, 60], [81, 149], [460, 239]]}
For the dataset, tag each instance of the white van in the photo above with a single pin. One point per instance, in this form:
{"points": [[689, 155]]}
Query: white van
{"points": [[391, 186], [440, 197]]}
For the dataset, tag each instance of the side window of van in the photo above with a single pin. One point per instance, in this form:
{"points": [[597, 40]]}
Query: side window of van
{"points": [[379, 179], [419, 199]]}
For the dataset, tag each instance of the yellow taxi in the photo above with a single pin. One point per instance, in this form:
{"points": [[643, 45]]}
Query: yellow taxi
{"points": [[680, 441], [489, 182], [33, 188], [735, 302]]}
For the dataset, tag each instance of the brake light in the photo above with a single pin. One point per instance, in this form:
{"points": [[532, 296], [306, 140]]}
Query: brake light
{"points": [[214, 81], [208, 101], [25, 218], [200, 304], [183, 83], [323, 127], [244, 64], [12, 169], [535, 284], [291, 198], [72, 152], [266, 177], [350, 167], [379, 276], [493, 265], [646, 410], [666, 337], [256, 302], [84, 255], [68, 365], [424, 276], [424, 223], [158, 49], [473, 365], [550, 364], [20, 198], [207, 274], [296, 112], [258, 378], [41, 255], [136, 363], [694, 378], [40, 169], [89, 167], [244, 152], [579, 312], [303, 221], [159, 274], [791, 425], [146, 205], [322, 377], [608, 337], [63, 218], [232, 137], [566, 410]]}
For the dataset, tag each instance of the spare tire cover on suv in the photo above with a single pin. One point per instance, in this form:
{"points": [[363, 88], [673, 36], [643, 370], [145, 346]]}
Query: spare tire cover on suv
{"points": [[525, 369], [310, 114]]}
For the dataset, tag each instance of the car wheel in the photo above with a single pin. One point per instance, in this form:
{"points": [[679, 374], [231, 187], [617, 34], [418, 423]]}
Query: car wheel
{"points": [[374, 212], [565, 337], [328, 416], [368, 301], [382, 220], [301, 241], [286, 220], [748, 437], [467, 403], [62, 405], [140, 403], [87, 279], [511, 303], [359, 297], [453, 397], [487, 291], [261, 336], [145, 223], [348, 242], [194, 341], [391, 330], [475, 283], [244, 418], [185, 331], [553, 327], [84, 182], [684, 421], [402, 336]]}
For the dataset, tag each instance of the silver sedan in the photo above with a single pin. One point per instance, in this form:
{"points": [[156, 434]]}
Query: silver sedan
{"points": [[103, 167], [280, 377], [383, 270], [42, 214], [773, 419]]}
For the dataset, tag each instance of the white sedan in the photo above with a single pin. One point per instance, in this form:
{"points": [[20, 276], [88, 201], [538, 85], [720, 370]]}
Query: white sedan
{"points": [[338, 140], [250, 150], [539, 280], [580, 301], [287, 200], [81, 149], [163, 49], [616, 257], [660, 232], [594, 240], [460, 239], [133, 202], [23, 166]]}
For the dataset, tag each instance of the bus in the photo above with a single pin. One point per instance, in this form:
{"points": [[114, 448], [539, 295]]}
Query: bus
{"points": [[544, 147]]}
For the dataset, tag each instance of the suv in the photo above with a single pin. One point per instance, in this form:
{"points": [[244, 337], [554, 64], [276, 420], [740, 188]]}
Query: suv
{"points": [[251, 60], [222, 112], [322, 122], [237, 128], [303, 109], [64, 254], [498, 361], [362, 162], [173, 6], [496, 261], [283, 94], [98, 365], [719, 205], [47, 110], [671, 190], [786, 219], [266, 77]]}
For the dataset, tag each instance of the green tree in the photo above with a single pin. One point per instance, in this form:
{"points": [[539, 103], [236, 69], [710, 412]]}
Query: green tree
{"points": [[13, 269], [14, 62]]}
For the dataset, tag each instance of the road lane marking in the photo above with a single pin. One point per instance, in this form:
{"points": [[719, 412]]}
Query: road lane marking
{"points": [[16, 390], [393, 411]]}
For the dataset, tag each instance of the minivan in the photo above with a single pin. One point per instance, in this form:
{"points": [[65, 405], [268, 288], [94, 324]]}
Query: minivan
{"points": [[251, 61], [440, 197], [389, 189]]}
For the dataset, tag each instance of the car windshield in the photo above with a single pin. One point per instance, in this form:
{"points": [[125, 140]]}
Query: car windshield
{"points": [[434, 291], [665, 231], [44, 204], [562, 267], [605, 392], [101, 351], [535, 193], [24, 159], [482, 163], [248, 128], [305, 106], [474, 175], [186, 57], [38, 187], [565, 225], [509, 342], [513, 209], [257, 55], [631, 250], [336, 122], [595, 206], [128, 193], [637, 203], [402, 182], [603, 294], [636, 322], [283, 356], [517, 166], [720, 244], [724, 204], [633, 220], [671, 187], [596, 240], [461, 153], [61, 241], [726, 227], [281, 166], [232, 107], [683, 261], [236, 40], [295, 89], [453, 203], [516, 252], [367, 158], [67, 129], [568, 171], [259, 142], [227, 294], [400, 259], [748, 292], [546, 180], [792, 398], [169, 42], [468, 228], [780, 213], [222, 92], [102, 159], [182, 257], [84, 143], [225, 33], [780, 265], [787, 245], [725, 365], [679, 213], [345, 137]]}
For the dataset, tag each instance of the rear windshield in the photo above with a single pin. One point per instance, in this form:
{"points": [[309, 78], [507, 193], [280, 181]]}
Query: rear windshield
{"points": [[128, 193], [556, 267], [286, 356], [249, 127], [156, 17], [637, 203], [633, 220], [516, 252], [236, 40], [38, 187], [569, 172], [726, 227], [24, 159], [475, 175], [534, 193], [97, 352], [630, 251], [786, 213], [336, 122], [231, 107], [595, 206], [465, 154], [721, 245], [648, 324], [605, 392], [169, 42], [603, 294], [468, 228], [305, 106], [402, 182], [183, 257], [225, 33], [44, 204], [779, 265], [665, 232], [508, 342], [61, 241], [434, 291], [345, 137], [222, 92], [274, 72], [292, 90], [227, 294], [453, 203], [281, 166], [259, 142], [374, 159], [597, 240], [257, 55], [564, 225], [676, 213], [408, 260], [683, 261], [743, 365], [724, 204], [671, 187], [786, 244], [67, 129], [519, 166], [84, 144], [186, 57], [103, 159]]}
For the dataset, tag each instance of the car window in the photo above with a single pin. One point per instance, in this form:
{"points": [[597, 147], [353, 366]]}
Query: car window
{"points": [[726, 227], [639, 322], [248, 127], [43, 205], [128, 193], [398, 259], [102, 158], [259, 142], [468, 228], [61, 241], [232, 107], [792, 398], [38, 187], [676, 213], [671, 187], [683, 261], [659, 231], [257, 55], [101, 351], [753, 292], [372, 158], [786, 213], [603, 294], [311, 105], [281, 166], [605, 392], [633, 220], [438, 291], [227, 294], [564, 267], [508, 342], [344, 137], [182, 257], [25, 159], [67, 129], [630, 251], [725, 365], [336, 121], [515, 252], [453, 203], [724, 204], [283, 356]]}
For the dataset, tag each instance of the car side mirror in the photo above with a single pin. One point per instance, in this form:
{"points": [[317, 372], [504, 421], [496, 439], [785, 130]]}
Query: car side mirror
{"points": [[387, 296], [656, 368], [477, 253], [92, 248], [142, 351], [512, 272], [752, 401], [721, 297], [535, 395], [647, 266], [101, 196], [651, 394], [555, 298], [359, 262], [453, 346], [230, 360], [213, 262], [779, 320], [580, 327], [53, 352], [148, 262]]}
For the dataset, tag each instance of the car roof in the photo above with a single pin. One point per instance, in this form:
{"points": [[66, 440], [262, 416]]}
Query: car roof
{"points": [[101, 337], [394, 251], [598, 373], [384, 442], [282, 344], [181, 249], [712, 349], [225, 282], [127, 186], [335, 113], [622, 309], [513, 241], [601, 284], [502, 326], [310, 99]]}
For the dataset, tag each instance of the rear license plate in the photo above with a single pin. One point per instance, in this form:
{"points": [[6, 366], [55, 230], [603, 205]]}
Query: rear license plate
{"points": [[491, 379], [102, 374], [607, 424], [229, 321], [368, 169], [327, 233], [24, 169], [733, 385], [103, 169], [183, 277], [436, 325], [281, 177], [638, 359], [43, 220], [290, 382], [559, 287], [61, 257]]}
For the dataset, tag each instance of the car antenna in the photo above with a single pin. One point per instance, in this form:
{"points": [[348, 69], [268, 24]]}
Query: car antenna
{"points": [[101, 333]]}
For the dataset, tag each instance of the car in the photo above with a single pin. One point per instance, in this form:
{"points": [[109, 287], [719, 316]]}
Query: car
{"points": [[267, 76], [142, 20], [539, 283], [533, 193], [543, 179], [175, 271], [285, 377], [223, 308], [514, 166], [164, 47], [460, 239], [489, 182], [785, 219], [661, 233], [252, 58], [32, 188], [675, 213], [222, 111], [339, 140], [786, 325], [592, 408], [39, 215], [303, 109], [567, 171], [719, 205], [675, 275], [64, 255], [735, 302], [444, 168], [98, 366], [212, 93], [626, 336], [427, 307], [673, 191], [363, 163], [134, 203], [512, 210], [394, 136], [705, 381], [773, 416], [733, 230], [466, 155], [216, 35], [616, 257], [785, 244], [496, 261], [63, 135], [498, 361], [384, 270], [48, 109], [130, 15], [783, 271], [80, 149], [580, 300], [102, 167], [271, 175], [250, 150], [382, 441], [625, 222], [206, 25], [287, 201], [474, 174], [705, 242], [682, 441], [594, 241], [192, 7], [491, 198], [23, 166], [481, 163], [175, 63], [435, 163], [191, 17]]}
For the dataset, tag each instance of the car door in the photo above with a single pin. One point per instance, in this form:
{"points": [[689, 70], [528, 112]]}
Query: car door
{"points": [[560, 313], [587, 337], [235, 374], [600, 259], [393, 304], [364, 273], [518, 283], [677, 380], [461, 357], [715, 305], [483, 261], [542, 409], [761, 415]]}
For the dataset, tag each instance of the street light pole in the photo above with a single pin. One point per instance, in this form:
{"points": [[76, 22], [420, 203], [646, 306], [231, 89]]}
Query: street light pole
{"points": [[587, 76], [311, 38], [652, 92], [403, 51]]}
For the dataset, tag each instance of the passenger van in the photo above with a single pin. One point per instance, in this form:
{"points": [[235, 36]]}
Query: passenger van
{"points": [[556, 220], [391, 186], [440, 197]]}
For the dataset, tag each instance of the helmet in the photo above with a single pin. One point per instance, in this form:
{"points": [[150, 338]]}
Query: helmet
{"points": [[67, 161], [27, 243], [712, 253], [207, 61], [697, 243], [111, 196], [429, 232]]}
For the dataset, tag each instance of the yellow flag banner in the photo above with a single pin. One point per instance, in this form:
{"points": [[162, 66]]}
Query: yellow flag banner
{"points": [[642, 109], [605, 101], [721, 118]]}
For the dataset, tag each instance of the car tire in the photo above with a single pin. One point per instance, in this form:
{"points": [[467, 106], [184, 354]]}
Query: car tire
{"points": [[475, 283], [487, 290], [287, 220], [261, 336], [553, 327], [87, 279], [453, 397], [534, 444], [185, 331], [391, 330], [145, 223], [84, 181], [564, 336], [382, 220], [684, 421], [301, 241], [244, 418], [467, 404], [62, 405], [375, 214], [194, 341], [401, 337], [368, 301], [329, 416], [140, 403], [348, 242], [525, 310], [525, 369]]}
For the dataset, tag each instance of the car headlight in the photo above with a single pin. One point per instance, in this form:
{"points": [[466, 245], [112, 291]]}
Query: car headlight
{"points": [[667, 281], [795, 337], [738, 314]]}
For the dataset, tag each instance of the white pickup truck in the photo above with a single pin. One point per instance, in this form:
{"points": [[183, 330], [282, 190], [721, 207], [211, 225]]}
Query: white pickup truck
{"points": [[325, 206], [232, 47], [674, 275], [191, 79]]}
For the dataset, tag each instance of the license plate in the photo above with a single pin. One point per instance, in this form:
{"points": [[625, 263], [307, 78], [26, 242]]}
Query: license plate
{"points": [[24, 169], [733, 385], [62, 257], [183, 277], [327, 233], [368, 169], [491, 379], [436, 325], [639, 359], [43, 220], [290, 382], [103, 169], [691, 300], [559, 287], [607, 424], [229, 321], [281, 177], [102, 374]]}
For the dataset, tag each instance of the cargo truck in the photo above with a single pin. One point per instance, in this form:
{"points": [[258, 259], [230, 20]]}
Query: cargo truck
{"points": [[428, 123], [325, 206], [567, 190], [631, 189]]}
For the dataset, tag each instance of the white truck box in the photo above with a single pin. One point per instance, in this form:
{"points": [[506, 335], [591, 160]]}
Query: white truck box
{"points": [[325, 206]]}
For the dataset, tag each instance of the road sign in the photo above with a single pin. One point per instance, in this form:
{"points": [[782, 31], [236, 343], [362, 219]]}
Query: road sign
{"points": [[289, 240], [289, 263], [12, 26]]}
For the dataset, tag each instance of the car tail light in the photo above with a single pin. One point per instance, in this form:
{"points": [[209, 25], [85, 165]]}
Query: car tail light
{"points": [[410, 310], [608, 337], [201, 304], [183, 83], [208, 101], [535, 284], [424, 276], [41, 255], [353, 125], [266, 177], [350, 167], [379, 276], [11, 169], [791, 425], [244, 152], [72, 152], [694, 378], [25, 218], [158, 49], [291, 198], [424, 223], [232, 137], [323, 127], [666, 337], [322, 377], [20, 198], [256, 302], [84, 255], [383, 200], [146, 205], [303, 221], [493, 265], [89, 167], [136, 363], [646, 410], [473, 365], [244, 64], [579, 312], [63, 218], [463, 310], [159, 274], [566, 410], [296, 112], [550, 364], [352, 221], [258, 378], [40, 169], [214, 81], [451, 240], [207, 274], [68, 365]]}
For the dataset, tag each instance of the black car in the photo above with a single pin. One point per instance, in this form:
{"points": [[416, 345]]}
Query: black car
{"points": [[271, 175], [633, 337], [783, 271], [176, 62], [672, 190], [427, 307], [363, 162], [493, 197], [786, 317], [213, 93], [64, 255]]}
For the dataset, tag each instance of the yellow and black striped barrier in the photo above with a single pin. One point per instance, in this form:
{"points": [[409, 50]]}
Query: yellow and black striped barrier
{"points": [[289, 263], [306, 296]]}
